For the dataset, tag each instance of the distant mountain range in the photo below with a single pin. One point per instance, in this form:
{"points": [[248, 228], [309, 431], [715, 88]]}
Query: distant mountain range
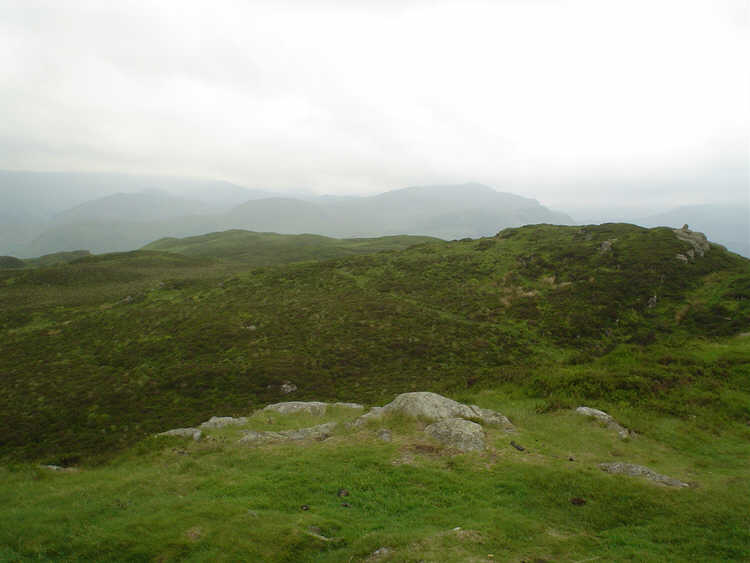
{"points": [[49, 212], [43, 213]]}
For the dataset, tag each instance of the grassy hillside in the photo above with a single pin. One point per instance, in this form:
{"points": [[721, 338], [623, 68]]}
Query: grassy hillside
{"points": [[172, 499], [265, 249], [101, 352]]}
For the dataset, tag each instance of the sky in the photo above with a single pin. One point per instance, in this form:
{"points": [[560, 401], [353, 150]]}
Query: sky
{"points": [[574, 102]]}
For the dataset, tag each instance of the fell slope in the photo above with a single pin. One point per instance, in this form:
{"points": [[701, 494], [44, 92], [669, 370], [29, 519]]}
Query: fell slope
{"points": [[97, 353], [265, 249]]}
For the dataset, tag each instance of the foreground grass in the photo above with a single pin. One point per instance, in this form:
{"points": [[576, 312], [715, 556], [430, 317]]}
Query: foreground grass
{"points": [[172, 499]]}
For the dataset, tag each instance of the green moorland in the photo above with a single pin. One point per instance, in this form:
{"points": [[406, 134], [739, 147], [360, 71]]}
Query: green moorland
{"points": [[268, 249], [100, 354]]}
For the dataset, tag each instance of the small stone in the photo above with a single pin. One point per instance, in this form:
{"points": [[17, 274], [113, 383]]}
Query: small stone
{"points": [[343, 493], [288, 387], [577, 501], [380, 552], [346, 505], [517, 446], [194, 533], [304, 507], [385, 435]]}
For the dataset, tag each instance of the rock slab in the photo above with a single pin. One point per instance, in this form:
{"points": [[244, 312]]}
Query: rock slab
{"points": [[458, 433], [606, 419], [316, 408], [193, 433], [222, 421], [634, 470], [319, 432]]}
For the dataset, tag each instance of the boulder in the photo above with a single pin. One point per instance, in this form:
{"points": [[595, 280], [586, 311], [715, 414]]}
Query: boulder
{"points": [[312, 407], [606, 419], [222, 421], [433, 407], [457, 433], [319, 432], [641, 471], [193, 433]]}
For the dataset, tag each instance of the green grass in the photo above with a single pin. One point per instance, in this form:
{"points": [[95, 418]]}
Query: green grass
{"points": [[214, 500], [267, 249]]}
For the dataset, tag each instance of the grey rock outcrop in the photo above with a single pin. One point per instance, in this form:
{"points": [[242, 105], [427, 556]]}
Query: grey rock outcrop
{"points": [[434, 407], [311, 407], [606, 246], [698, 241], [458, 433], [222, 421], [193, 433], [375, 413], [319, 432], [606, 419], [641, 471]]}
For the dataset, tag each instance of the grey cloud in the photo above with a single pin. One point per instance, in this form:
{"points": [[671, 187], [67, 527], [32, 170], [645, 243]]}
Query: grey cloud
{"points": [[375, 95]]}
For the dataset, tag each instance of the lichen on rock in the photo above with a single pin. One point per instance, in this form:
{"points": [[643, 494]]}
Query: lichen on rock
{"points": [[641, 471], [457, 433]]}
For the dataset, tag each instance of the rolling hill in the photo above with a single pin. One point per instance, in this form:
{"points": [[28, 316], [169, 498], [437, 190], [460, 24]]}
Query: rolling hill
{"points": [[101, 353], [265, 249], [162, 333]]}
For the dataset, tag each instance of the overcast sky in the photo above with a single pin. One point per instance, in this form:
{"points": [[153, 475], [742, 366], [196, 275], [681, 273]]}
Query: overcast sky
{"points": [[596, 100]]}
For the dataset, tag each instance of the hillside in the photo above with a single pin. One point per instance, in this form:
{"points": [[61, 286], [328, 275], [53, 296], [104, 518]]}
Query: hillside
{"points": [[44, 194], [125, 344], [265, 249], [148, 205], [100, 354]]}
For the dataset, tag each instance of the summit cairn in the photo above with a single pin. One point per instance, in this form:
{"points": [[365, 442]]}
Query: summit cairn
{"points": [[698, 241]]}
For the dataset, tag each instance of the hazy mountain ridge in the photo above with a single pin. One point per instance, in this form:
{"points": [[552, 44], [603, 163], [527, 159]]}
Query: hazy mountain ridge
{"points": [[141, 209]]}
